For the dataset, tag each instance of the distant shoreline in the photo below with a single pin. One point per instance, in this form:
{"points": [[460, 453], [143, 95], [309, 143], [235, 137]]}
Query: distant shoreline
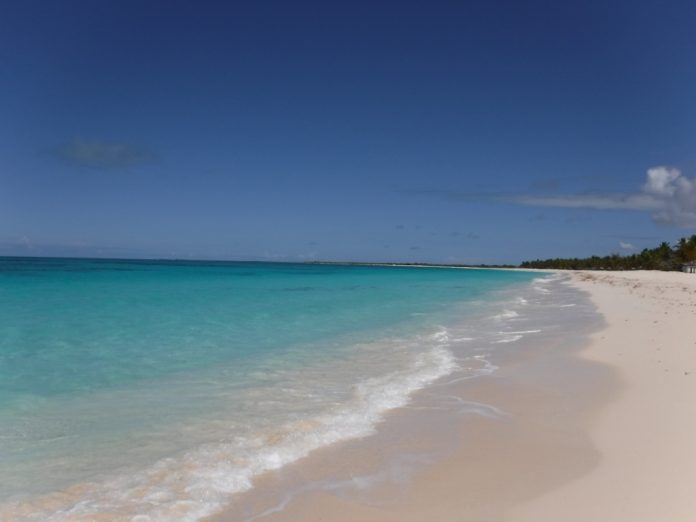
{"points": [[407, 265]]}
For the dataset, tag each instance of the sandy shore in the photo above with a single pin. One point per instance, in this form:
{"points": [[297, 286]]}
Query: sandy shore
{"points": [[598, 428], [646, 436]]}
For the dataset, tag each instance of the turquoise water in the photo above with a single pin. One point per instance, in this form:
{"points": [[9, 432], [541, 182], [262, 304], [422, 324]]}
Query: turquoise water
{"points": [[118, 375]]}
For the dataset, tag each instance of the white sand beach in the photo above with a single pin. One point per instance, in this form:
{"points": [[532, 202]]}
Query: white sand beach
{"points": [[646, 436]]}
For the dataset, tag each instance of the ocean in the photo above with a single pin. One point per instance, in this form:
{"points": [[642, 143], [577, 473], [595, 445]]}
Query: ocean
{"points": [[158, 390]]}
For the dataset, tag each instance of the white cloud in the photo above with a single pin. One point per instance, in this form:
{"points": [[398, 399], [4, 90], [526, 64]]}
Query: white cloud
{"points": [[666, 193], [660, 181], [626, 246], [677, 194], [624, 202]]}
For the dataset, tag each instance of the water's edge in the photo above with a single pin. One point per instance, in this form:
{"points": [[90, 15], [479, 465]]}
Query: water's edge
{"points": [[558, 328]]}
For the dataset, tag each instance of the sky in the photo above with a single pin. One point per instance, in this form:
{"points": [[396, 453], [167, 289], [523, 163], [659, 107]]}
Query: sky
{"points": [[458, 132]]}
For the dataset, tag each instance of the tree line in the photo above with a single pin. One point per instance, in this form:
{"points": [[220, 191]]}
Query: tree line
{"points": [[663, 257]]}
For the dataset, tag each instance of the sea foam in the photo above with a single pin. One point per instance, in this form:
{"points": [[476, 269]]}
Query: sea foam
{"points": [[200, 481]]}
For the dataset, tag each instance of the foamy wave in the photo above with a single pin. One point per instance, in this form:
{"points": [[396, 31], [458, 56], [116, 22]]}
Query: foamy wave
{"points": [[506, 314], [200, 482], [509, 339], [472, 366], [483, 366], [441, 336]]}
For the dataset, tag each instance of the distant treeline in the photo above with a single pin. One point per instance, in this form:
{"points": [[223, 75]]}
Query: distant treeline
{"points": [[664, 257]]}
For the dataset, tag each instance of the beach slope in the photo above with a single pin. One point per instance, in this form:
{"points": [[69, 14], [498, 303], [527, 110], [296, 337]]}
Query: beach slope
{"points": [[646, 437]]}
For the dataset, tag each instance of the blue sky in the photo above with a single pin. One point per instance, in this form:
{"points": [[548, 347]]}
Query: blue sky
{"points": [[435, 131]]}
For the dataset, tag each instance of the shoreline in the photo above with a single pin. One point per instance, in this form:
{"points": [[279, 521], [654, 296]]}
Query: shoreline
{"points": [[411, 469], [560, 451]]}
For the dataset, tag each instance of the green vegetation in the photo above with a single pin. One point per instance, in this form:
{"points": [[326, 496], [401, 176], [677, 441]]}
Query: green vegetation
{"points": [[664, 257]]}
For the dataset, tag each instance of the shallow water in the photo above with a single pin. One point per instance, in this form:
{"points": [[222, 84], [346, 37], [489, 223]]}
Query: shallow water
{"points": [[549, 319], [160, 389]]}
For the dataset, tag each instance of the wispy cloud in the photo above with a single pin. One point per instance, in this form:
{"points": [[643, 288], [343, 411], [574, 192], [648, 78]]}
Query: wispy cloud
{"points": [[624, 202], [626, 246], [668, 195], [104, 155]]}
